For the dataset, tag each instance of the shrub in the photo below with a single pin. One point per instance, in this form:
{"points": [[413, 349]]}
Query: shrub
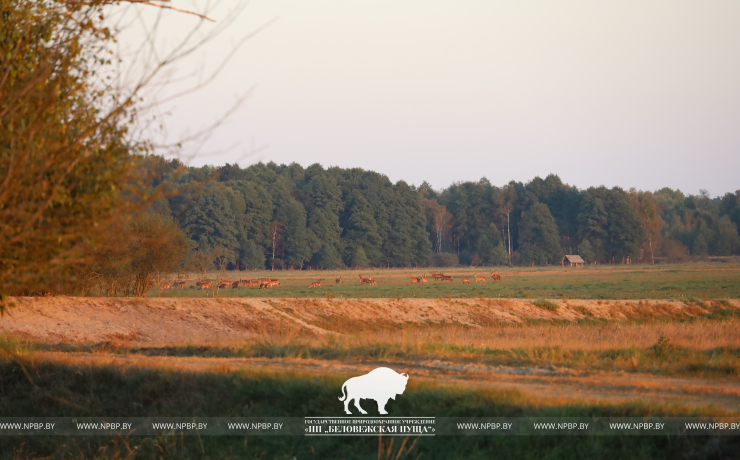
{"points": [[445, 259], [546, 304]]}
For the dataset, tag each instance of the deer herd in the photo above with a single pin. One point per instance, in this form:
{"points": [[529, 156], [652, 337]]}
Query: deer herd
{"points": [[465, 279], [270, 283]]}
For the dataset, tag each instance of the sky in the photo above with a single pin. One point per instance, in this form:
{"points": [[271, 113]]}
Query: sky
{"points": [[641, 94]]}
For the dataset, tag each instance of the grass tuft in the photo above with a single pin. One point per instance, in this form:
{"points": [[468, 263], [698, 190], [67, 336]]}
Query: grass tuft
{"points": [[546, 304]]}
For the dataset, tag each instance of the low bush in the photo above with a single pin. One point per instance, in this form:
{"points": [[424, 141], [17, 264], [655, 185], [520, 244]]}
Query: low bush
{"points": [[546, 304], [445, 259]]}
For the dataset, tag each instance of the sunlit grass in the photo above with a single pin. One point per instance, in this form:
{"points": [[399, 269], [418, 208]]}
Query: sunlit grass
{"points": [[685, 281]]}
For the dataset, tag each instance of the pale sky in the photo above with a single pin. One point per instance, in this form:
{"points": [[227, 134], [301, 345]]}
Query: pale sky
{"points": [[639, 94]]}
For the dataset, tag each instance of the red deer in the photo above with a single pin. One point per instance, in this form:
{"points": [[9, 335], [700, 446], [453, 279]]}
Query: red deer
{"points": [[364, 279], [438, 276], [424, 278], [338, 280], [203, 285], [181, 284], [235, 284], [479, 278], [371, 281], [466, 280], [446, 278], [164, 286], [496, 277], [266, 284], [415, 280], [224, 284], [315, 284]]}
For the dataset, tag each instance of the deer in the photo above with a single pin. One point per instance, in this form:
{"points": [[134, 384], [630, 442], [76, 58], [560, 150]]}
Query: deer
{"points": [[466, 280], [164, 286], [338, 281], [266, 284], [424, 278], [315, 284], [224, 284], [479, 278], [203, 285], [438, 276], [415, 280], [496, 277], [236, 284], [371, 281], [364, 279], [180, 284]]}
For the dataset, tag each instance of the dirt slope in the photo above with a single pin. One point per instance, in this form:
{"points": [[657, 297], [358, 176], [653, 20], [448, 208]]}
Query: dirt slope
{"points": [[161, 320]]}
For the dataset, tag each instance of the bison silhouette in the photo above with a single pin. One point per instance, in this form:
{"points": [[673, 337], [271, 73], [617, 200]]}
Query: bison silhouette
{"points": [[380, 384]]}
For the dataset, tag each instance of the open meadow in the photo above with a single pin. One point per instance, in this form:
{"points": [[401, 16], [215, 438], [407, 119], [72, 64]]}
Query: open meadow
{"points": [[611, 341], [709, 280]]}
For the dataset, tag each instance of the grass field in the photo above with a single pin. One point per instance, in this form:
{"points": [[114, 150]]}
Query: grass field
{"points": [[112, 391], [710, 280], [288, 357]]}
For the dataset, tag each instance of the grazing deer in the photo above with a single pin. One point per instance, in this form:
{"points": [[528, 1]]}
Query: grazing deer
{"points": [[466, 280], [364, 279], [371, 281], [224, 284], [338, 280], [235, 284], [415, 280], [315, 284], [164, 286], [203, 285], [424, 278], [496, 277], [266, 284], [479, 278], [445, 277], [181, 284]]}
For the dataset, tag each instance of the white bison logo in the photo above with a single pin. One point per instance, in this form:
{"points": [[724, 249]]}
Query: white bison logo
{"points": [[380, 384]]}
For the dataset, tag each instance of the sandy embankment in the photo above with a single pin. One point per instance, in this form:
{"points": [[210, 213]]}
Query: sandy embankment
{"points": [[163, 320]]}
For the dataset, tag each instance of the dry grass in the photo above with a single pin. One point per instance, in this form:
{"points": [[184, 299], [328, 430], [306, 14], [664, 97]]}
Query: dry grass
{"points": [[702, 335]]}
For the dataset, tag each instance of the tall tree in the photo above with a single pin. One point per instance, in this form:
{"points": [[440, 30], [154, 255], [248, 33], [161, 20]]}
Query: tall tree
{"points": [[505, 199], [441, 220], [361, 229], [539, 242], [215, 218], [647, 211], [65, 161], [726, 241]]}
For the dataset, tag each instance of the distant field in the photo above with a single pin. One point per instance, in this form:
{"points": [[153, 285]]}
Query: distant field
{"points": [[677, 282]]}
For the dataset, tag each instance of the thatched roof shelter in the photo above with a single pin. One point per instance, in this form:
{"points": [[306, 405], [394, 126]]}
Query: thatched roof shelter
{"points": [[572, 261]]}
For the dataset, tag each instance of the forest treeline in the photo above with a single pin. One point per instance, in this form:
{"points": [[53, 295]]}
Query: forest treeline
{"points": [[288, 216], [85, 206]]}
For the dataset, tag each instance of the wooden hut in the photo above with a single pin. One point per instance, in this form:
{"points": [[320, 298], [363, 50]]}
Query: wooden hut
{"points": [[572, 261]]}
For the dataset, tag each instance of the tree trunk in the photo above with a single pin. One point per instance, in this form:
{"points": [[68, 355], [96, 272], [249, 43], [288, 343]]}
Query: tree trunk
{"points": [[508, 234]]}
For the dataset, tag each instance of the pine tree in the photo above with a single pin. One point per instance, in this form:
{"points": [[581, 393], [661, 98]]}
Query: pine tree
{"points": [[539, 242]]}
